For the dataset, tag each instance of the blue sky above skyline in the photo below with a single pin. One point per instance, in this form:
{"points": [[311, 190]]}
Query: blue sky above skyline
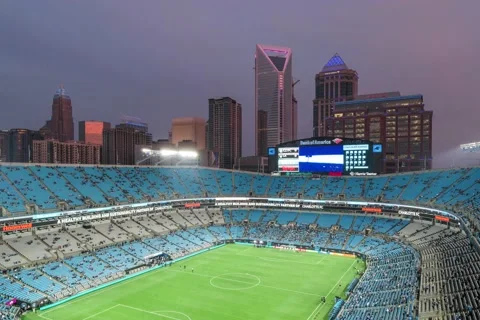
{"points": [[163, 59]]}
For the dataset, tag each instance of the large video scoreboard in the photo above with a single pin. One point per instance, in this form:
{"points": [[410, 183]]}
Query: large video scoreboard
{"points": [[332, 156]]}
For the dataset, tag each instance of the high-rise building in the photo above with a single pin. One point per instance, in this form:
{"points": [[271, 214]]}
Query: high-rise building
{"points": [[3, 145], [119, 144], [20, 144], [274, 104], [335, 83], [53, 151], [189, 129], [138, 125], [224, 139], [400, 123], [91, 131], [60, 126]]}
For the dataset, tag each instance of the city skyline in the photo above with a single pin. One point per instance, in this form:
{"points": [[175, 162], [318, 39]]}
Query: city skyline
{"points": [[159, 80]]}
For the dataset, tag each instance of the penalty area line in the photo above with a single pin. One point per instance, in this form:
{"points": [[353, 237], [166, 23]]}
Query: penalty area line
{"points": [[154, 313], [99, 313], [320, 306]]}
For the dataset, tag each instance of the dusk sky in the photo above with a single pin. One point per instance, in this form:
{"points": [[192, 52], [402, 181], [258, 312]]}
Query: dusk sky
{"points": [[161, 59]]}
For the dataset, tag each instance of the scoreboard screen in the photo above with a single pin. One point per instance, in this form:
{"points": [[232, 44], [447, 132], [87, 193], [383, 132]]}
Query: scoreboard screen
{"points": [[329, 156]]}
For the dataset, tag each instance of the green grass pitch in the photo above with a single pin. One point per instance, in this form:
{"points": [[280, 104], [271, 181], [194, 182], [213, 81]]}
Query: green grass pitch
{"points": [[232, 282]]}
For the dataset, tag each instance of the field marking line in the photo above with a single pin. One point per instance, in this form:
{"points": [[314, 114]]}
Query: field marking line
{"points": [[260, 285], [43, 317], [251, 285], [321, 260], [151, 312], [98, 313], [89, 295], [320, 306], [170, 311]]}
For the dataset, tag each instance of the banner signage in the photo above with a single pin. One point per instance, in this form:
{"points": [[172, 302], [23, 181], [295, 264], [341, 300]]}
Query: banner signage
{"points": [[17, 227], [108, 214], [192, 205], [305, 204], [268, 204], [409, 213], [442, 218]]}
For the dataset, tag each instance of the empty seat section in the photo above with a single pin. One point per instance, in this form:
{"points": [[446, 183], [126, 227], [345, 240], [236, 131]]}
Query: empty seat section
{"points": [[30, 186], [354, 188], [260, 184], [225, 182], [333, 187], [58, 185], [277, 186], [242, 183], [10, 199], [103, 182], [209, 182], [286, 217], [146, 180], [374, 187], [326, 221], [396, 185], [83, 184], [346, 222], [307, 218], [128, 187]]}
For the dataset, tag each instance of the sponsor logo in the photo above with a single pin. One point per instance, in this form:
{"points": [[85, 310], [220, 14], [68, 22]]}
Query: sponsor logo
{"points": [[442, 218], [314, 142], [192, 205], [337, 140], [363, 173], [409, 213], [17, 227], [374, 210], [377, 148]]}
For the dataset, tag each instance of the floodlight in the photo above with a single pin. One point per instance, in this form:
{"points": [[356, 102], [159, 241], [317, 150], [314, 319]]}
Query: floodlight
{"points": [[471, 147], [168, 152], [188, 154]]}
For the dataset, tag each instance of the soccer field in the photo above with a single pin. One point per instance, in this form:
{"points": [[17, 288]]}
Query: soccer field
{"points": [[231, 282]]}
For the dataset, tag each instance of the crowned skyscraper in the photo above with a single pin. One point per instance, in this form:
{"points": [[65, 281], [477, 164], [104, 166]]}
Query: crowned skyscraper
{"points": [[60, 126], [275, 114], [335, 83]]}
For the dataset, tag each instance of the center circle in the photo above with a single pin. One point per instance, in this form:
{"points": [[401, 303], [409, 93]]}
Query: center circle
{"points": [[235, 281]]}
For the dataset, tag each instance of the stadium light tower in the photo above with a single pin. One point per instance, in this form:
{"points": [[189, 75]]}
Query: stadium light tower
{"points": [[179, 156]]}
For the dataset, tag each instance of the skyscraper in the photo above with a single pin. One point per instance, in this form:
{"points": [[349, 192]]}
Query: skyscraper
{"points": [[138, 125], [119, 144], [20, 144], [274, 104], [189, 129], [3, 145], [60, 125], [91, 131], [224, 138], [400, 123], [335, 83], [53, 151]]}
